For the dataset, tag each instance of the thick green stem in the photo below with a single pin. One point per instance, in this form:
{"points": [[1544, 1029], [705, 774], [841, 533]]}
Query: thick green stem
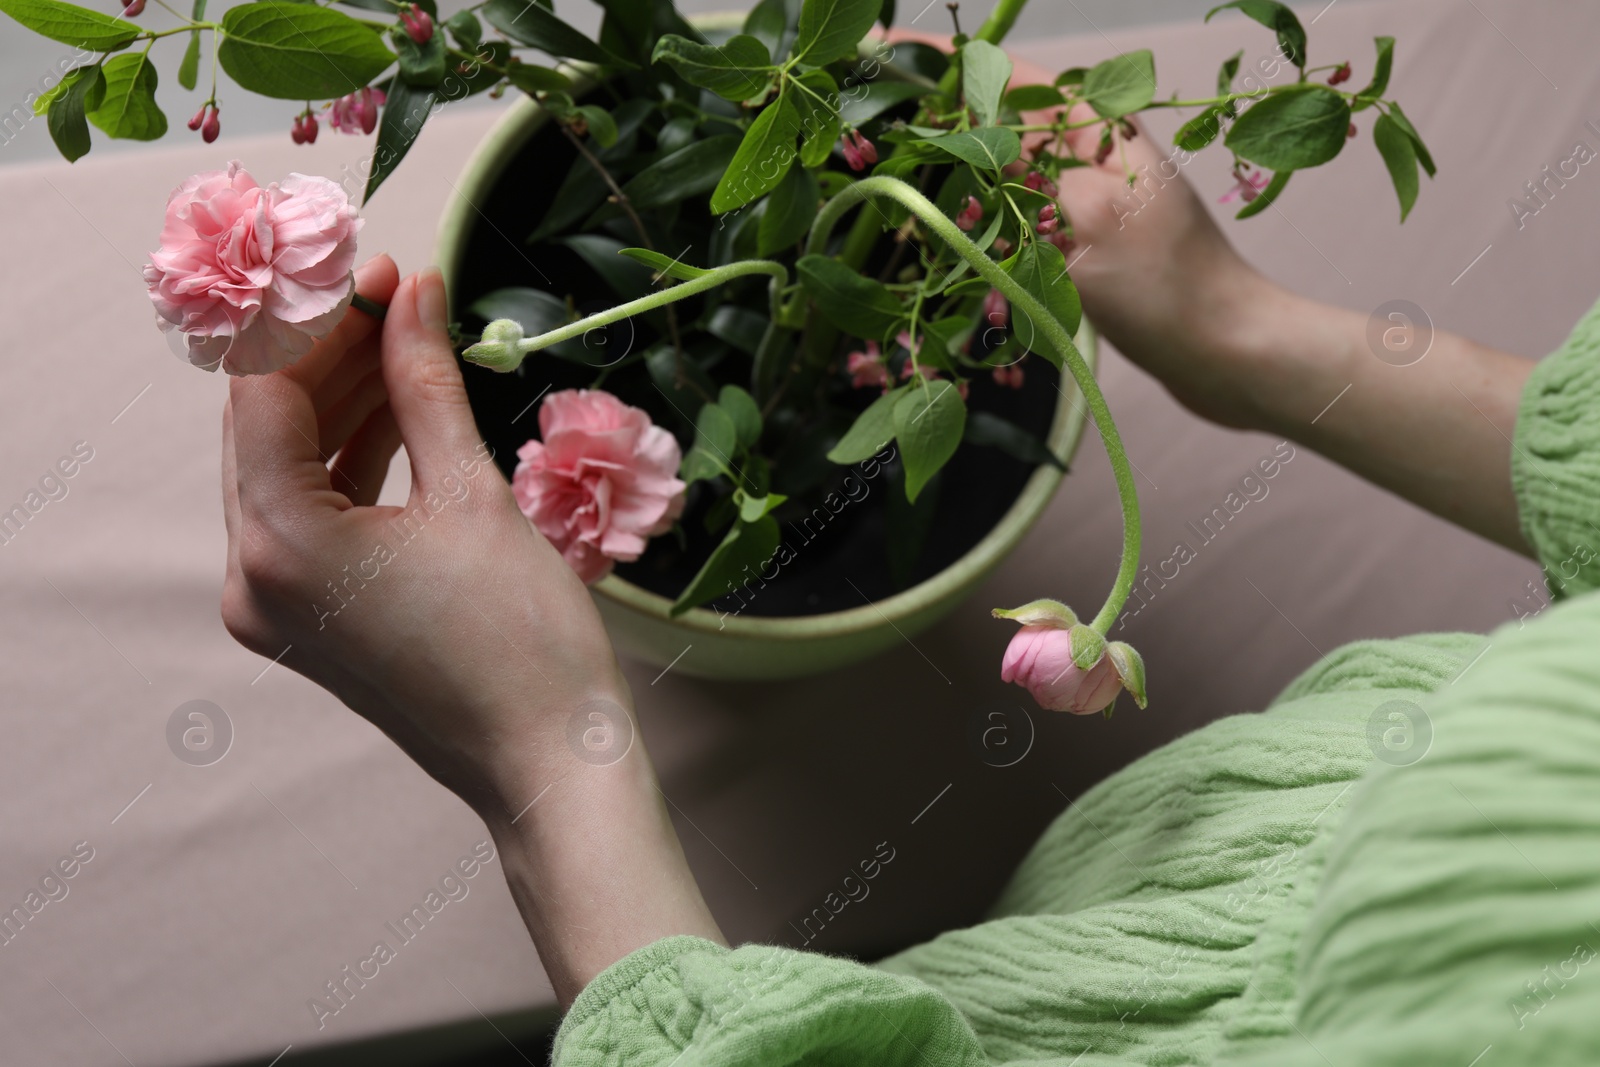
{"points": [[1056, 334], [660, 298]]}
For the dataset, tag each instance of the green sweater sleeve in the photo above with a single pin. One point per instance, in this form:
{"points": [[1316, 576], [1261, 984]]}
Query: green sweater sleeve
{"points": [[687, 1002], [1555, 461]]}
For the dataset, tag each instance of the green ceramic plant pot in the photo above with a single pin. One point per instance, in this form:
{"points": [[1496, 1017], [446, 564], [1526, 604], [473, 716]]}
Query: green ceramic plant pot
{"points": [[703, 643]]}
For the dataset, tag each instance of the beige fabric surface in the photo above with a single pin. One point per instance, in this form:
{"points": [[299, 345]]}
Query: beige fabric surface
{"points": [[225, 896]]}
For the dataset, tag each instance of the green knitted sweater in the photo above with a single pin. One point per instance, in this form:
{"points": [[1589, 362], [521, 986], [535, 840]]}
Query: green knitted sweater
{"points": [[1263, 891]]}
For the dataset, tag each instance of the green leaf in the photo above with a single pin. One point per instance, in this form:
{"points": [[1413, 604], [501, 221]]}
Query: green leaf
{"points": [[1121, 85], [404, 112], [866, 102], [1228, 71], [715, 438], [1071, 76], [685, 173], [294, 51], [189, 69], [1202, 129], [480, 77], [856, 304], [820, 124], [1034, 98], [1267, 196], [1292, 130], [662, 265], [791, 209], [748, 547], [741, 407], [831, 29], [995, 432], [739, 327], [752, 508], [773, 21], [531, 23], [928, 423], [1399, 155], [985, 71], [739, 69], [68, 128], [682, 381], [1279, 19], [421, 64], [765, 155], [602, 127], [72, 25], [1423, 155], [465, 30], [990, 148], [872, 430], [1087, 645], [1042, 270], [1380, 75], [128, 108], [534, 79]]}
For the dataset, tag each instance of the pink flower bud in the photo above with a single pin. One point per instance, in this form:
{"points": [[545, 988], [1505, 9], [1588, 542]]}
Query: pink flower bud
{"points": [[868, 150], [418, 24], [1103, 153], [297, 132], [1340, 76], [310, 128], [199, 117], [996, 308], [1048, 227], [852, 154], [1039, 659], [134, 9], [970, 215], [867, 369], [1352, 132], [211, 125]]}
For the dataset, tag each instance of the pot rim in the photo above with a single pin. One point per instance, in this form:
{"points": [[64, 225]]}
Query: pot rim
{"points": [[484, 168]]}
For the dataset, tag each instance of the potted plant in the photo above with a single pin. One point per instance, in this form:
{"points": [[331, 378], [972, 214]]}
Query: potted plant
{"points": [[812, 283]]}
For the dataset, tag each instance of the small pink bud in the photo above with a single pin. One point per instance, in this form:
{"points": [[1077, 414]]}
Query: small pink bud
{"points": [[310, 128], [297, 132], [134, 9], [996, 308], [970, 215], [199, 117], [1047, 213], [852, 154], [1340, 76], [1048, 227], [1103, 153], [211, 126], [418, 24], [868, 150], [1039, 658], [1352, 132]]}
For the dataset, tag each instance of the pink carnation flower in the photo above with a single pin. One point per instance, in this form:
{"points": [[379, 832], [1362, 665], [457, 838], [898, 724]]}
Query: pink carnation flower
{"points": [[603, 481], [253, 277]]}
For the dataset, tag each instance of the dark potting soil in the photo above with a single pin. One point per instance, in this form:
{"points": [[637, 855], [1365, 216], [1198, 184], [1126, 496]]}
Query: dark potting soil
{"points": [[835, 536]]}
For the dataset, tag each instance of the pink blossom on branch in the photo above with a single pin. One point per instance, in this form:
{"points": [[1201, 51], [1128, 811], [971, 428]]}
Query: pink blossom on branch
{"points": [[867, 368], [252, 277], [357, 112], [601, 483], [1247, 186]]}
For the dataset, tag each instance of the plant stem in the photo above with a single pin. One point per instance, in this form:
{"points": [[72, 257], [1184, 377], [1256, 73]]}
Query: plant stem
{"points": [[709, 280], [1054, 332]]}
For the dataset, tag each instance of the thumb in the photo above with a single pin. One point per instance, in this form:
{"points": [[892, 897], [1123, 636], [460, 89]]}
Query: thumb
{"points": [[426, 393]]}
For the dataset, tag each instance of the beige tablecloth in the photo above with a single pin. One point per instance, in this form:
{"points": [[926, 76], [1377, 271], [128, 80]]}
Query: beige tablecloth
{"points": [[219, 899]]}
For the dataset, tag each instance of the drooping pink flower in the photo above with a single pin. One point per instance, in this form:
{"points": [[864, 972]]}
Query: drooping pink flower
{"points": [[304, 130], [1039, 658], [1037, 181], [253, 277], [357, 112], [1340, 76], [601, 483], [1247, 186], [867, 368], [1048, 223], [867, 150], [970, 215]]}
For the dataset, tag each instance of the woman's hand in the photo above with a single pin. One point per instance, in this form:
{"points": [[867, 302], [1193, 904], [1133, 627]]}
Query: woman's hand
{"points": [[448, 622], [1431, 422]]}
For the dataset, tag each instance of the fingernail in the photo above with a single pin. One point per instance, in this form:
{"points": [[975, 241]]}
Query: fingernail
{"points": [[430, 298]]}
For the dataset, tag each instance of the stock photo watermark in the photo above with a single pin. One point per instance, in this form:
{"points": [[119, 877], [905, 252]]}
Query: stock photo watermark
{"points": [[1399, 333], [853, 889], [1002, 735], [199, 733], [1399, 732], [52, 486], [452, 887], [52, 888]]}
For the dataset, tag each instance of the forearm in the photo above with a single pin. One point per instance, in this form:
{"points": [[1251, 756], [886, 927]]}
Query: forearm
{"points": [[594, 863], [1437, 432]]}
